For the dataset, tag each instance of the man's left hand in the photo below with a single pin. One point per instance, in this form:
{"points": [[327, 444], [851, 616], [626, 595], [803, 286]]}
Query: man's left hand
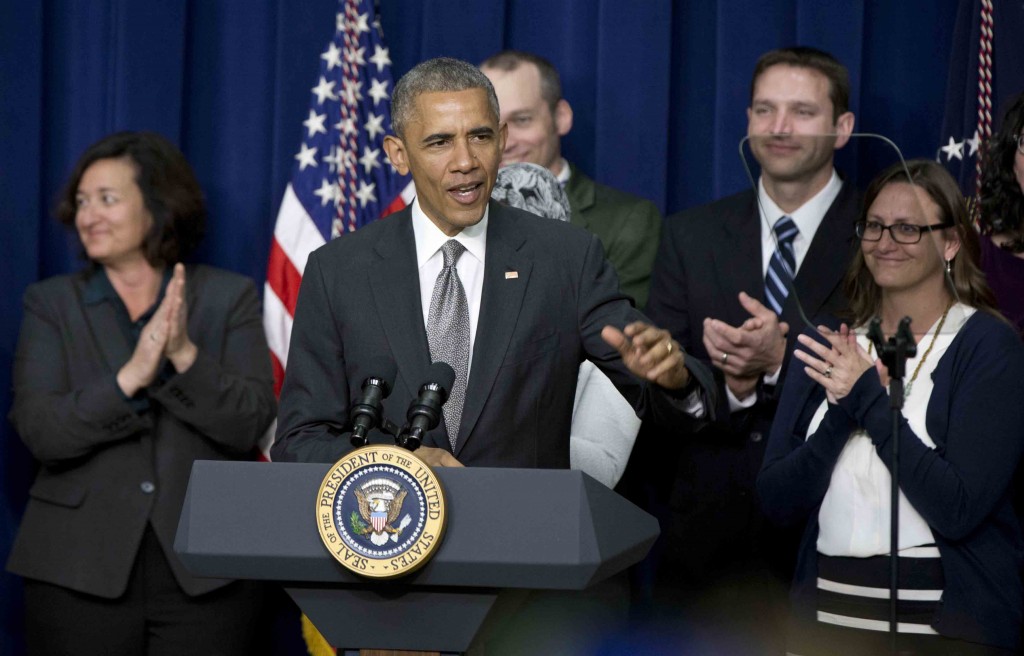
{"points": [[650, 353]]}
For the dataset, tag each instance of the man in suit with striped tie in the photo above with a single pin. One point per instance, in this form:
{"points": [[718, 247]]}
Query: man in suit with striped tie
{"points": [[726, 283]]}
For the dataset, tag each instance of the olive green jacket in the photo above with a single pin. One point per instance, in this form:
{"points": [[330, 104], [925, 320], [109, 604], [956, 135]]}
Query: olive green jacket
{"points": [[628, 226]]}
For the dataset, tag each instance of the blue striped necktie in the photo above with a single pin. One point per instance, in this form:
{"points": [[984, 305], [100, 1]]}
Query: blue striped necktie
{"points": [[782, 266]]}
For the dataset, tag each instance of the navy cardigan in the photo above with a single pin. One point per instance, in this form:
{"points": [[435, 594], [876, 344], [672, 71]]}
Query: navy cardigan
{"points": [[961, 488]]}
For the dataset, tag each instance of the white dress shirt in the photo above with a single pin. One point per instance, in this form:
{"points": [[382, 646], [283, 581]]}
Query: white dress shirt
{"points": [[807, 219], [566, 173], [429, 240]]}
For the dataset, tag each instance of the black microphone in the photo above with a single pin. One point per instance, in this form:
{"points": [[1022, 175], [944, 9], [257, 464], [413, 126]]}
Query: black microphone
{"points": [[365, 414], [425, 412]]}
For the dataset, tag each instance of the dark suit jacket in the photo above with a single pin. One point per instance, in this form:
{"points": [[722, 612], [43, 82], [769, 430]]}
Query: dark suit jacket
{"points": [[707, 256], [628, 226], [106, 471], [360, 299]]}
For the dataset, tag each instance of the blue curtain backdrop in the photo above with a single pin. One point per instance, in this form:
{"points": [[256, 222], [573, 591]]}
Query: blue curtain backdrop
{"points": [[659, 89]]}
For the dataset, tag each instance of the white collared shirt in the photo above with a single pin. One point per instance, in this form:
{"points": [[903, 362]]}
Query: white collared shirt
{"points": [[429, 240], [565, 174], [807, 219]]}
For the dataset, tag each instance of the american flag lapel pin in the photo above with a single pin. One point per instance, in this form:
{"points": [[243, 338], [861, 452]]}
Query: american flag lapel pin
{"points": [[511, 275]]}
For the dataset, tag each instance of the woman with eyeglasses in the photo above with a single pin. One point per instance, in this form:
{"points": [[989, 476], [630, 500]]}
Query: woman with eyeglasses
{"points": [[1001, 216], [959, 441]]}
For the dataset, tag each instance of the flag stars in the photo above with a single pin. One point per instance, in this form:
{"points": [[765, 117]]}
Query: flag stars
{"points": [[356, 57], [361, 24], [333, 159], [374, 125], [365, 193], [378, 91], [953, 149], [315, 123], [381, 57], [348, 160], [339, 22], [306, 157], [369, 159], [352, 91], [347, 126], [327, 192], [323, 91], [332, 56], [974, 143]]}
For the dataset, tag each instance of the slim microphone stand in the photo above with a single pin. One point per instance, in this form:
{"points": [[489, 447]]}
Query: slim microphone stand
{"points": [[894, 353]]}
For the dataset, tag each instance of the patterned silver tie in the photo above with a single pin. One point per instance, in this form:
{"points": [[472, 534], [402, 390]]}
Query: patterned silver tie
{"points": [[448, 333]]}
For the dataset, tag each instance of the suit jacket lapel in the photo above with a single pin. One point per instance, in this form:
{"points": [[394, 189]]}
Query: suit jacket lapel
{"points": [[826, 260], [737, 258], [396, 293], [501, 301], [580, 190]]}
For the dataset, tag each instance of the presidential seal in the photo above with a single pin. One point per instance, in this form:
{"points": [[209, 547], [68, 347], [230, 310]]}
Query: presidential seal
{"points": [[381, 511]]}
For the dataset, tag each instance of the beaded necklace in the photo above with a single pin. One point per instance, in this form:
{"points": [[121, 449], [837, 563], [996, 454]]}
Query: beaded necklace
{"points": [[917, 369]]}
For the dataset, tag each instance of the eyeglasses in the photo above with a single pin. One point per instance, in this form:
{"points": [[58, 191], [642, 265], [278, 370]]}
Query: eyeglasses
{"points": [[901, 233]]}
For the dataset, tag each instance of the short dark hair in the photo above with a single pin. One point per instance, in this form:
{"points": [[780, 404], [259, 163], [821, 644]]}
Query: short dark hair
{"points": [[818, 60], [550, 82], [431, 76], [1002, 200], [169, 189], [968, 280]]}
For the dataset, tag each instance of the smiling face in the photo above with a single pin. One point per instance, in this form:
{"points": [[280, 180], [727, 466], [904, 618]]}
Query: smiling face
{"points": [[908, 267], [791, 128], [111, 216], [534, 130], [452, 146]]}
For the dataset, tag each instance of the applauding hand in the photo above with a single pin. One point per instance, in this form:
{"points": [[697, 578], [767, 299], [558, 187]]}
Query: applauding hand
{"points": [[179, 349], [835, 367], [164, 335]]}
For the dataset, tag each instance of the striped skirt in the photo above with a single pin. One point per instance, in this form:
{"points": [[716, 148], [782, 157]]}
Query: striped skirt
{"points": [[852, 614]]}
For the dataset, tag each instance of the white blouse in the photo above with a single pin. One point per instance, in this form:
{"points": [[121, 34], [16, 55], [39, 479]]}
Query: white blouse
{"points": [[854, 516]]}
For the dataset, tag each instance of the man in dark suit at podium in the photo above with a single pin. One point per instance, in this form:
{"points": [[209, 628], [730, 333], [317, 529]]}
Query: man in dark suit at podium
{"points": [[512, 301], [722, 284]]}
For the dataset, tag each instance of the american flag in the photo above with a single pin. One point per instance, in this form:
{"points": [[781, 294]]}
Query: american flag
{"points": [[986, 70], [342, 178]]}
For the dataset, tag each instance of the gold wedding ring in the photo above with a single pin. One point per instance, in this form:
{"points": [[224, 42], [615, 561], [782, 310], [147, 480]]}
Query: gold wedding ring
{"points": [[725, 357]]}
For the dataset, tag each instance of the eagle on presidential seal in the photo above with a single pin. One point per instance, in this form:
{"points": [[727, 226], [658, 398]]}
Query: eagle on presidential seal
{"points": [[380, 505]]}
